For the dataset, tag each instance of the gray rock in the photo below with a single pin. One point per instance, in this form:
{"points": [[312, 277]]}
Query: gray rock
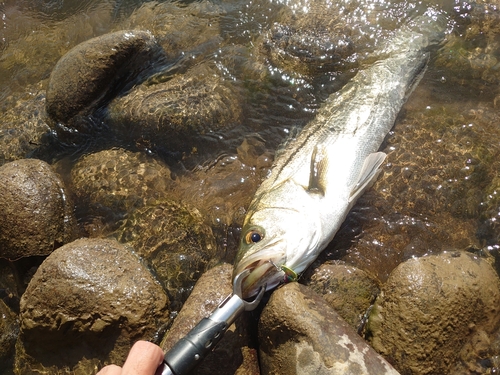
{"points": [[95, 290], [174, 241], [428, 308], [299, 333], [36, 215], [349, 290], [236, 352], [91, 73]]}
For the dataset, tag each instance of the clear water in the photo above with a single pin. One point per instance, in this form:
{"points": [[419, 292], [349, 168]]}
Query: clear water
{"points": [[440, 186]]}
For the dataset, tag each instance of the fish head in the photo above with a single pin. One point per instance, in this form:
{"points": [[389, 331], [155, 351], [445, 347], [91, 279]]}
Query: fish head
{"points": [[273, 243]]}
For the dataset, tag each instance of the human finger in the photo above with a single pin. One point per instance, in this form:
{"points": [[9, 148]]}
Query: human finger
{"points": [[110, 370], [143, 359]]}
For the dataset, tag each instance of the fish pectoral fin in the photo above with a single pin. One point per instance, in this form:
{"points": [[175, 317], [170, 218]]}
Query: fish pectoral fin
{"points": [[368, 174], [319, 166]]}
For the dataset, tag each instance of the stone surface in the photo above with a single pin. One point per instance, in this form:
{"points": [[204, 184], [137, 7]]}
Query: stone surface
{"points": [[235, 353], [94, 290], [109, 183], [36, 215], [94, 71], [299, 333], [9, 329], [174, 241], [349, 290], [430, 306], [177, 114]]}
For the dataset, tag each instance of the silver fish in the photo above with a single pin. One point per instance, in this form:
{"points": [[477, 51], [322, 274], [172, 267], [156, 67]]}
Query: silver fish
{"points": [[318, 176]]}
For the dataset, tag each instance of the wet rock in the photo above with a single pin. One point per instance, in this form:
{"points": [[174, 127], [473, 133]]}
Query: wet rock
{"points": [[299, 333], [236, 352], [349, 290], [36, 216], [9, 329], [178, 114], [113, 182], [179, 28], [174, 241], [23, 126], [429, 306], [95, 290], [91, 73]]}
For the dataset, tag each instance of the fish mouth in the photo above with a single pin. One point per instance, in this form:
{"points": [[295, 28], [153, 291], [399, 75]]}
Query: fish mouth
{"points": [[262, 272]]}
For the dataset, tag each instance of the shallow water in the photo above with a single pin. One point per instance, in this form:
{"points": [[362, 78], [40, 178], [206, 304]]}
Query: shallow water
{"points": [[440, 186]]}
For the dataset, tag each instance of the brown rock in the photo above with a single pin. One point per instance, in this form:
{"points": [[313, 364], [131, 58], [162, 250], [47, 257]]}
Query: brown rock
{"points": [[36, 216], [299, 333], [349, 290], [428, 308], [9, 329], [235, 353], [89, 301], [85, 77]]}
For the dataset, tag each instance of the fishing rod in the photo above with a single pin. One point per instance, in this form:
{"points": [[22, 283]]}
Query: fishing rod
{"points": [[190, 350]]}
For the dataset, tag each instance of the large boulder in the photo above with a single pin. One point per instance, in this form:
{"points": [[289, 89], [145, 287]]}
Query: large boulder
{"points": [[430, 306], [299, 333], [88, 302], [36, 215]]}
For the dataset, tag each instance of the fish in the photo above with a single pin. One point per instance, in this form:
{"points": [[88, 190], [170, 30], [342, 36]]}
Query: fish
{"points": [[318, 176]]}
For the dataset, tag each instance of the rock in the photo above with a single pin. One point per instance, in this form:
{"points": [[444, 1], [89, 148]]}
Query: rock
{"points": [[174, 241], [36, 215], [91, 73], [95, 290], [299, 333], [236, 352], [23, 126], [347, 289], [113, 182], [178, 113], [428, 308], [9, 329]]}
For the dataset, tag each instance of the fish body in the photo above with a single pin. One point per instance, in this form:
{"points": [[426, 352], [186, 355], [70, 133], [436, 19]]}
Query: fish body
{"points": [[317, 177]]}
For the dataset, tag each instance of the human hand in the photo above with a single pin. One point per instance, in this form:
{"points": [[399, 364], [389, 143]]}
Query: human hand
{"points": [[143, 359]]}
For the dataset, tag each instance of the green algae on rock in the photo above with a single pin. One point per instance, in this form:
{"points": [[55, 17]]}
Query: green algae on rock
{"points": [[92, 289], [428, 308], [174, 242], [347, 289], [9, 330], [36, 215]]}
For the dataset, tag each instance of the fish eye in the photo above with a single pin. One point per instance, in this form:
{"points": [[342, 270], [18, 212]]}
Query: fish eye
{"points": [[253, 236]]}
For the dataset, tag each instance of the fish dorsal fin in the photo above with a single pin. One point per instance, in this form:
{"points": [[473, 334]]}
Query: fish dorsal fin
{"points": [[319, 165], [368, 174]]}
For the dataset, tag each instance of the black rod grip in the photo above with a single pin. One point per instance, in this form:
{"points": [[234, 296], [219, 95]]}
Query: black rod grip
{"points": [[188, 352]]}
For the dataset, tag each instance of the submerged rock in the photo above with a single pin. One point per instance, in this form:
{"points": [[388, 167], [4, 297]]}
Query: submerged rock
{"points": [[9, 329], [23, 126], [110, 183], [36, 216], [235, 353], [174, 241], [178, 114], [93, 72], [428, 308], [299, 333], [95, 290], [347, 289]]}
